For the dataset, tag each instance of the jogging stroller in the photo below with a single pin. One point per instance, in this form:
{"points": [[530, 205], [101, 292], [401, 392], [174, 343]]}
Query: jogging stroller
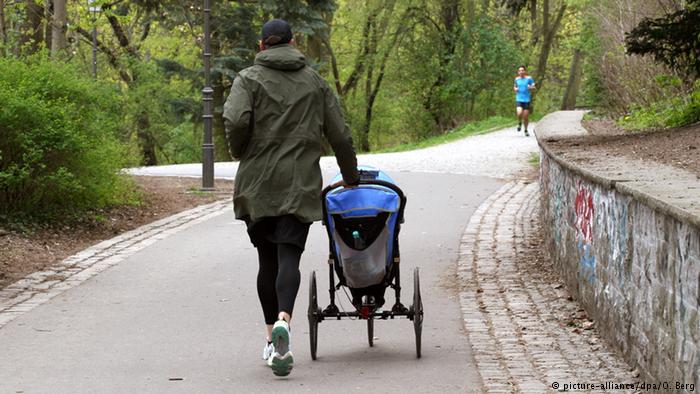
{"points": [[363, 225]]}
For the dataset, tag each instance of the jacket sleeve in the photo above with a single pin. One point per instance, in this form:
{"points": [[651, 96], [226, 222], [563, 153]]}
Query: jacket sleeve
{"points": [[338, 135], [238, 111]]}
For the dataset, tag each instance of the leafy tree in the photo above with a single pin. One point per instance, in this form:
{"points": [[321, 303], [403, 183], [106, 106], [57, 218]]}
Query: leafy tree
{"points": [[673, 39], [235, 33]]}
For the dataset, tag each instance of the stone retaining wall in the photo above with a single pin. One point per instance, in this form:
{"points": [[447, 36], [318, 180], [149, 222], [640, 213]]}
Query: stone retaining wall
{"points": [[634, 266]]}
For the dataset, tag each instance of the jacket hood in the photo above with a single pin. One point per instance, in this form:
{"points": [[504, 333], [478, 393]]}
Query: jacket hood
{"points": [[281, 57]]}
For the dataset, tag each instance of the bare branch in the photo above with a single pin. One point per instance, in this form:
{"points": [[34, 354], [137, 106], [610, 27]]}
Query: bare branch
{"points": [[334, 66], [111, 57]]}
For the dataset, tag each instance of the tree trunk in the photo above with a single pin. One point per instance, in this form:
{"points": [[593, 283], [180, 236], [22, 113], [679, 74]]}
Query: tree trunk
{"points": [[533, 20], [221, 151], [146, 140], [358, 69], [569, 101], [369, 102], [31, 36], [373, 86], [471, 11], [450, 33], [48, 15], [3, 28], [548, 34], [58, 28], [314, 48], [485, 4], [334, 68]]}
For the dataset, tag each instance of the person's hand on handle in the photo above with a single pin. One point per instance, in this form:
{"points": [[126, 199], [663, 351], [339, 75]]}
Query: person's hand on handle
{"points": [[341, 183]]}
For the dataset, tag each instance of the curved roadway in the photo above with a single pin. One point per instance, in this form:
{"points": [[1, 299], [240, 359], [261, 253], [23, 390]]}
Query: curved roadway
{"points": [[182, 315]]}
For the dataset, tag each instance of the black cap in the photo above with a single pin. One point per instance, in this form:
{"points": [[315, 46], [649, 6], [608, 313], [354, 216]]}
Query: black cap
{"points": [[276, 31]]}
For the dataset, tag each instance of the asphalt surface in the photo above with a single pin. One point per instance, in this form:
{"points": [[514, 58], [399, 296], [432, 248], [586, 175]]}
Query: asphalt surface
{"points": [[501, 154], [182, 315], [186, 308]]}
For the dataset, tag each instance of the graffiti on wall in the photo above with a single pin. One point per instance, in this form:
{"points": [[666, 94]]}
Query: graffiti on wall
{"points": [[637, 269], [584, 210], [614, 219], [558, 212]]}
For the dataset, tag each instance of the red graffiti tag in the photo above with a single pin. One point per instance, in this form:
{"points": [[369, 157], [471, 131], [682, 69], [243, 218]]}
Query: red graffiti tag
{"points": [[584, 214]]}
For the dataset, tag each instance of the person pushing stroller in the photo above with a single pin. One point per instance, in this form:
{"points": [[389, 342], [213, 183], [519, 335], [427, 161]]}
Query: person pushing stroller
{"points": [[275, 117]]}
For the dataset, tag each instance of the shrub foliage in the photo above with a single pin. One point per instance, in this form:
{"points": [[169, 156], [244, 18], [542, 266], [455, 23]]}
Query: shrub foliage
{"points": [[59, 147]]}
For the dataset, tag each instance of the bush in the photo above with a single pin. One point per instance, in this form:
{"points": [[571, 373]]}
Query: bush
{"points": [[672, 112], [59, 150]]}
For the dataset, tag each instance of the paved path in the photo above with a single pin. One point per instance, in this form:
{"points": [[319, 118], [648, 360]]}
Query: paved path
{"points": [[186, 307], [515, 319], [502, 154], [177, 310]]}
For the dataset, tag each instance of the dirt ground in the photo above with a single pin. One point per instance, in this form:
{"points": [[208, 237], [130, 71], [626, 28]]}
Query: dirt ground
{"points": [[678, 147], [535, 264], [24, 253]]}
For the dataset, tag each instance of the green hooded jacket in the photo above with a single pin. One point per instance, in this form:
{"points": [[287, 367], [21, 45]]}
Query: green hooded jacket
{"points": [[276, 115]]}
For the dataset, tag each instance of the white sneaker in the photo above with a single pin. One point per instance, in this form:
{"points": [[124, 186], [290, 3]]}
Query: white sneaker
{"points": [[268, 350], [282, 359]]}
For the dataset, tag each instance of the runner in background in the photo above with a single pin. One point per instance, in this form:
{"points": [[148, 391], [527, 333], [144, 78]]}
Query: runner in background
{"points": [[523, 87]]}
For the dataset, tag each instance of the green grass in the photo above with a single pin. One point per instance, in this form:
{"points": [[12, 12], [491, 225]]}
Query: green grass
{"points": [[534, 159], [593, 115], [466, 130], [197, 192]]}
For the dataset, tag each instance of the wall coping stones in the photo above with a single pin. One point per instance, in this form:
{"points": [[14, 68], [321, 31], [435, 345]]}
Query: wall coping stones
{"points": [[666, 189]]}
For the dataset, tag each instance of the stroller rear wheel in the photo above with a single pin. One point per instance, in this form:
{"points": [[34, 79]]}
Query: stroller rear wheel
{"points": [[417, 309], [313, 315]]}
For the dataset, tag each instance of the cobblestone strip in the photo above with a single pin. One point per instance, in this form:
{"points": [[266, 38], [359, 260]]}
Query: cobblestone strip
{"points": [[516, 321], [39, 287]]}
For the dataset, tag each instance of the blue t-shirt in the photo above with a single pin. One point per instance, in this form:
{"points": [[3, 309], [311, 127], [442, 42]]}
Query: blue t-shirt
{"points": [[523, 95]]}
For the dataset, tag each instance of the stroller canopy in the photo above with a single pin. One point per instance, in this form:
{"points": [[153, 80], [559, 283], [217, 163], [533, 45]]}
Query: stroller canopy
{"points": [[363, 224]]}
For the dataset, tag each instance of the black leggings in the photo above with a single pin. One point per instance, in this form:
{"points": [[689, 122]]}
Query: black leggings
{"points": [[278, 278]]}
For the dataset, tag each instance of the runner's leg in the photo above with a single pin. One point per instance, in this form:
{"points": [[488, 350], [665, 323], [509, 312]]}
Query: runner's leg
{"points": [[288, 278], [526, 117], [267, 277]]}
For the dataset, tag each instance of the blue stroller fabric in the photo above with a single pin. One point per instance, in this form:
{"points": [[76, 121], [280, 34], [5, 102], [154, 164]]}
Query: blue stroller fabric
{"points": [[362, 221]]}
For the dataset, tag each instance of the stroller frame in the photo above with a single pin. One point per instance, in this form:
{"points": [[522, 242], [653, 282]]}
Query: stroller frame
{"points": [[368, 310]]}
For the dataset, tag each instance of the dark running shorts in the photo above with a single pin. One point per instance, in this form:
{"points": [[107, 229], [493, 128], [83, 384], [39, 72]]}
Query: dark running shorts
{"points": [[523, 104], [285, 229]]}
